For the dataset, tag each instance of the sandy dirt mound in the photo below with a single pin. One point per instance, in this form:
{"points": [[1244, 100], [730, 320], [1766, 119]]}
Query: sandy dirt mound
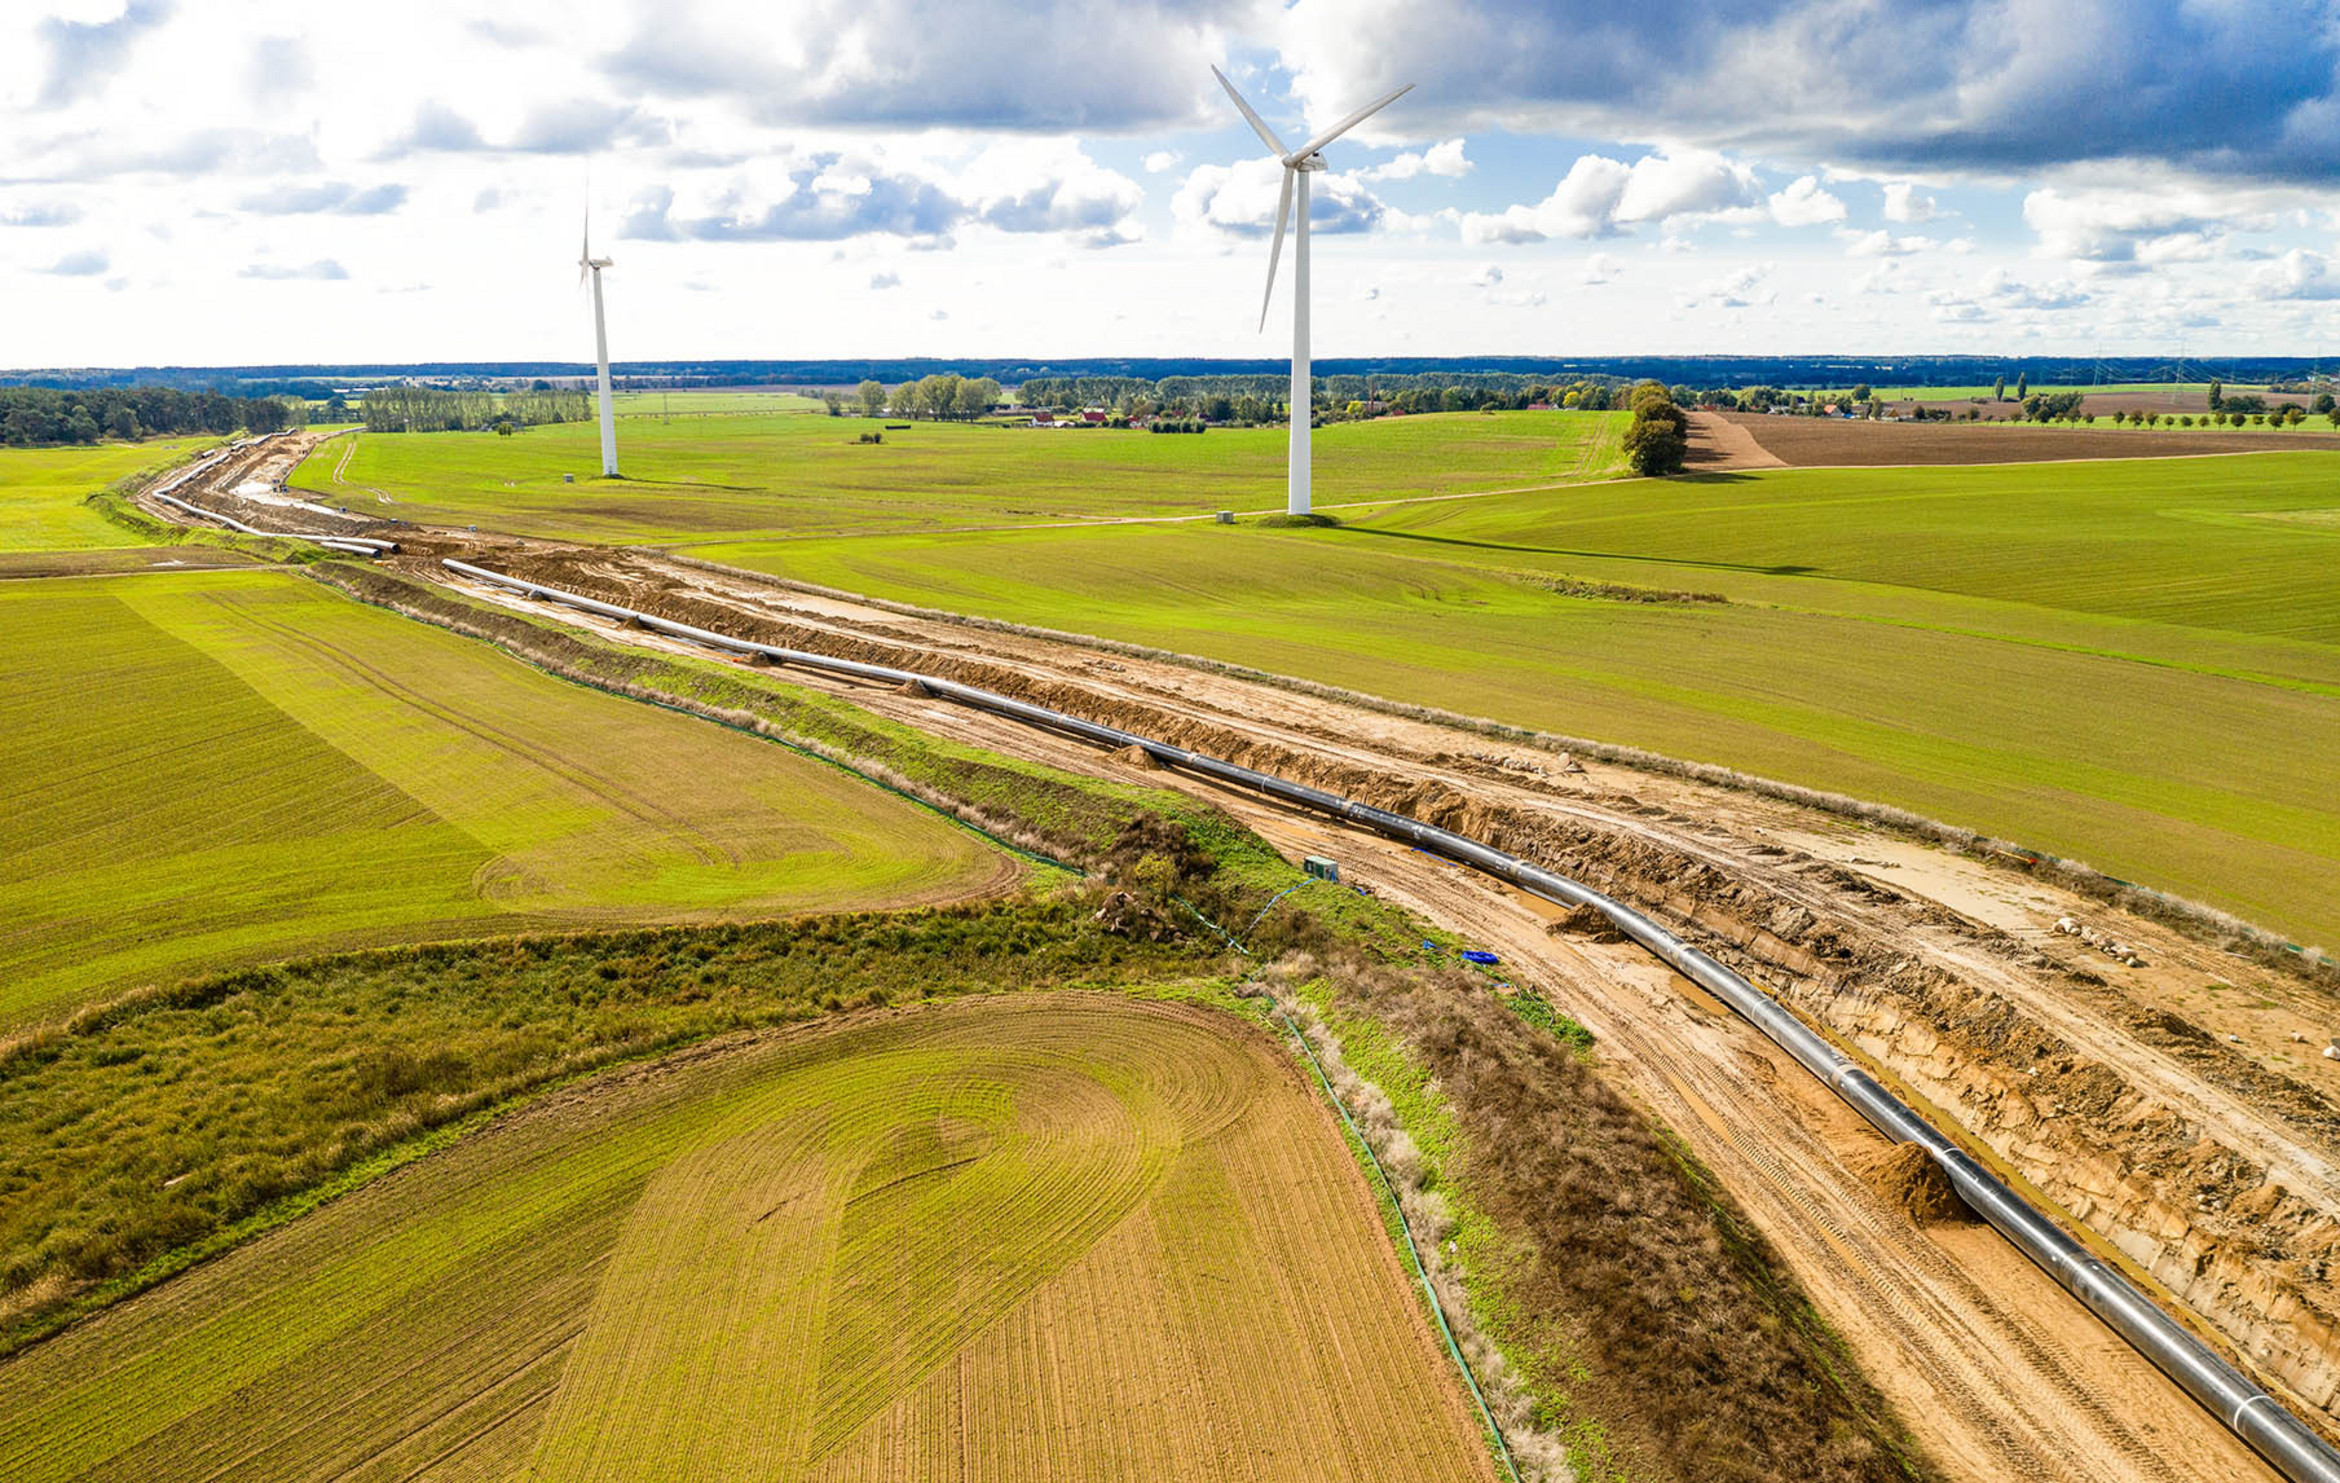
{"points": [[1908, 1179]]}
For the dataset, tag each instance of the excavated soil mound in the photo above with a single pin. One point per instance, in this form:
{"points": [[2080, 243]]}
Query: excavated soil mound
{"points": [[1585, 921], [1137, 756], [1911, 1181]]}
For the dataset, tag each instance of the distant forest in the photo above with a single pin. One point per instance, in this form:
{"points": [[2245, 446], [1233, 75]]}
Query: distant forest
{"points": [[316, 382], [39, 417]]}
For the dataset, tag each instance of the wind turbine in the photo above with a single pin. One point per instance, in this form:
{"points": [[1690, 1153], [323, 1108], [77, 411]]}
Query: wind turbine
{"points": [[588, 263], [1298, 164]]}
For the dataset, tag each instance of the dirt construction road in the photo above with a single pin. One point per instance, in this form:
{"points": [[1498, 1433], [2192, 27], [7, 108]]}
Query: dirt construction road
{"points": [[2186, 1132]]}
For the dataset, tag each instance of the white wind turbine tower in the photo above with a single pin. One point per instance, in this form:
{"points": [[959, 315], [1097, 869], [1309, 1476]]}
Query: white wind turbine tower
{"points": [[588, 263], [1298, 164]]}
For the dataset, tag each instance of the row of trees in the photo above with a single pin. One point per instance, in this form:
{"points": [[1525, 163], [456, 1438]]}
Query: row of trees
{"points": [[431, 409], [39, 416], [1247, 400], [942, 397]]}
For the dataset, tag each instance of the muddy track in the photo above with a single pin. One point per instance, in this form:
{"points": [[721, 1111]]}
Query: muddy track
{"points": [[2202, 1153]]}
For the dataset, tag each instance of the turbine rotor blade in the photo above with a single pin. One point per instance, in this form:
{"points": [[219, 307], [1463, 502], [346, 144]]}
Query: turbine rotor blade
{"points": [[1276, 251], [1345, 125], [1258, 126]]}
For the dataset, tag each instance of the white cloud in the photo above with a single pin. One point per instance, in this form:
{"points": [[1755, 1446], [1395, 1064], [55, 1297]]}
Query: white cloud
{"points": [[323, 270], [2158, 219], [40, 214], [1602, 197], [1805, 204], [885, 280], [1904, 204], [1738, 289], [1489, 276], [1160, 160], [1440, 159], [1015, 185], [2298, 274], [1883, 244], [1240, 200], [1036, 66]]}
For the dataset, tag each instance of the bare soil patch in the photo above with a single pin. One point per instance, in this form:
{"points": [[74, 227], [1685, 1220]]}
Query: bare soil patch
{"points": [[1830, 442], [1719, 445]]}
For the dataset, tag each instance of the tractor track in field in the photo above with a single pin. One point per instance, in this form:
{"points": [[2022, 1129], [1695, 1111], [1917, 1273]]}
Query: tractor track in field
{"points": [[2204, 1162]]}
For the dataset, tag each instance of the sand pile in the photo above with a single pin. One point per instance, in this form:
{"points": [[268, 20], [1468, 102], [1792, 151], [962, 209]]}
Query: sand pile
{"points": [[1910, 1180]]}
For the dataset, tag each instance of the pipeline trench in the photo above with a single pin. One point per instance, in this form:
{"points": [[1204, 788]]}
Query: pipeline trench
{"points": [[2106, 1089]]}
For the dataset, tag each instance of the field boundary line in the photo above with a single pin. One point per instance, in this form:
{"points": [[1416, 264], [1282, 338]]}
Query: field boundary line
{"points": [[2197, 919]]}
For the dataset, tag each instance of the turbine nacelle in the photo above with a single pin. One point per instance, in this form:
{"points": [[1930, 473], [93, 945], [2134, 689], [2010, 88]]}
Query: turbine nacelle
{"points": [[586, 261]]}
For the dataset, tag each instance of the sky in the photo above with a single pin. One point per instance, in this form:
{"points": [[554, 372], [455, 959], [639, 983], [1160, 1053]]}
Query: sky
{"points": [[215, 182]]}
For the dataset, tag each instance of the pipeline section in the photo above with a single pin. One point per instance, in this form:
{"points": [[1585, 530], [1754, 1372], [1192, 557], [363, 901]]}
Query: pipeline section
{"points": [[2239, 1403], [354, 545]]}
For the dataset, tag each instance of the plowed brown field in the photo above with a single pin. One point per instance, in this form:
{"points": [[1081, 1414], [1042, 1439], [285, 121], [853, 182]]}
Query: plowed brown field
{"points": [[1831, 442], [1068, 1236]]}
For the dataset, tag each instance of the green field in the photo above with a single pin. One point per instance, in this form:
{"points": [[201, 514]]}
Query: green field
{"points": [[2133, 664], [961, 1242], [731, 477], [227, 766], [710, 403], [42, 489]]}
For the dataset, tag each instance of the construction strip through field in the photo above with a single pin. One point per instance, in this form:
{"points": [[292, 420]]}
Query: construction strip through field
{"points": [[2240, 1404], [353, 545]]}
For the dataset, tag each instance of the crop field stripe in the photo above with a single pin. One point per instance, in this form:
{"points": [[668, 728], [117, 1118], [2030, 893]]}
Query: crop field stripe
{"points": [[812, 1252], [925, 805], [219, 766]]}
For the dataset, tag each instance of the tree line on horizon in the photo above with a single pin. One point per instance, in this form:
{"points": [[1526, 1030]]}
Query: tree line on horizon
{"points": [[37, 417], [430, 409]]}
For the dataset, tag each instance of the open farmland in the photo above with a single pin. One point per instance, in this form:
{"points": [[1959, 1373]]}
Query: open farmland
{"points": [[1837, 442], [731, 477], [229, 766], [2132, 663], [42, 489], [1068, 1236]]}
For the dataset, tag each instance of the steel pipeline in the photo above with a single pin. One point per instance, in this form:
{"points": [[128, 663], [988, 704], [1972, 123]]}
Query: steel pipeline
{"points": [[2242, 1406], [355, 545]]}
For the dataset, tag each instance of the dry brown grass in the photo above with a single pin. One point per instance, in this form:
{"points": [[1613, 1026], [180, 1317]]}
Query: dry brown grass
{"points": [[1636, 1286]]}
